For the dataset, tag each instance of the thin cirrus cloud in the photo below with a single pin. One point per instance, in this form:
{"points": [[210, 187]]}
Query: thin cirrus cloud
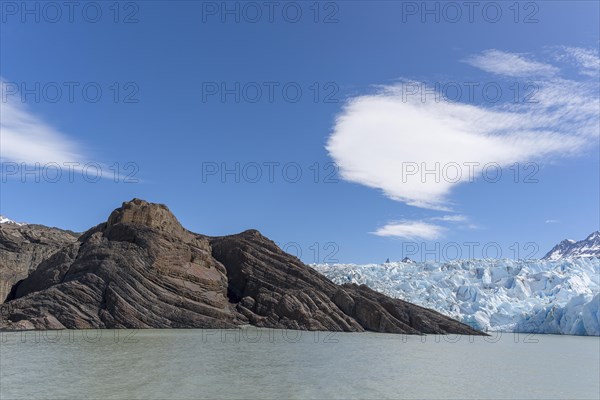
{"points": [[421, 229], [450, 218], [510, 64], [379, 139], [586, 59], [28, 139], [410, 230]]}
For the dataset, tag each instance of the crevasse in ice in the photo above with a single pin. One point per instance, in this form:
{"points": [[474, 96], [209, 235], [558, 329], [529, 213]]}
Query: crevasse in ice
{"points": [[540, 296]]}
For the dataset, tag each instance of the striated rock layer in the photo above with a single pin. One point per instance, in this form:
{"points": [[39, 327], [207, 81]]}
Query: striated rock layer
{"points": [[142, 269], [23, 247]]}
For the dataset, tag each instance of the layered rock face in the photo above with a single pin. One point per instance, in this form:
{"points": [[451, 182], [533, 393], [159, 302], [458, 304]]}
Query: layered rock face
{"points": [[274, 289], [142, 269], [23, 247]]}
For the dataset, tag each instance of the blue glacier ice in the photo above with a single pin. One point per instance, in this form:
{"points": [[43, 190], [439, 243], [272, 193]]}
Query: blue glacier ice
{"points": [[538, 296]]}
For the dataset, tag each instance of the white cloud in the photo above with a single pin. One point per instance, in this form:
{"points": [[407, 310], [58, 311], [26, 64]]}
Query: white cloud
{"points": [[510, 64], [421, 229], [412, 230], [28, 139], [552, 221], [587, 60], [379, 139], [450, 218]]}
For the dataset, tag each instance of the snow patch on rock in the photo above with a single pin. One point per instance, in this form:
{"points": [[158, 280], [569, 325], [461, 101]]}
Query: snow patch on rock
{"points": [[4, 220]]}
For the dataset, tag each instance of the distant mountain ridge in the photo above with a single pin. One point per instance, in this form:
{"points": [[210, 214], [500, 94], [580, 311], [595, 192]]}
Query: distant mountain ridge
{"points": [[568, 248]]}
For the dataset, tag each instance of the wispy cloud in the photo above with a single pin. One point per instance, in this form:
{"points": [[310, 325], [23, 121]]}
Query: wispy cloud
{"points": [[552, 221], [586, 60], [412, 230], [28, 139], [422, 229], [450, 218], [377, 136], [510, 64]]}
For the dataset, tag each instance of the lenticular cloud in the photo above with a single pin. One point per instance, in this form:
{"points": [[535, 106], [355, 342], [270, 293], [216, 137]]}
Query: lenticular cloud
{"points": [[417, 151]]}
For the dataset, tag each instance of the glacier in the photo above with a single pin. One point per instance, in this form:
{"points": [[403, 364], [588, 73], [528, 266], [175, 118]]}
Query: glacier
{"points": [[533, 296]]}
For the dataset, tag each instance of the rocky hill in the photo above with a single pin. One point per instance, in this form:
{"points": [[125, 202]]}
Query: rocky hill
{"points": [[142, 269], [22, 249]]}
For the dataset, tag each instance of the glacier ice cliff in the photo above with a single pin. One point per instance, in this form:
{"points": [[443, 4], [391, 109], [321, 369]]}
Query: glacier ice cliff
{"points": [[537, 296]]}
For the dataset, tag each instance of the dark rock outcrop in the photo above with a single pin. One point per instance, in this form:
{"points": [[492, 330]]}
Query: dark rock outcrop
{"points": [[23, 247], [142, 269]]}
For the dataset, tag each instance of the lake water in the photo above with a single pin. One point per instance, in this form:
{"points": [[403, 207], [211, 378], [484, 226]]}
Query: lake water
{"points": [[252, 363]]}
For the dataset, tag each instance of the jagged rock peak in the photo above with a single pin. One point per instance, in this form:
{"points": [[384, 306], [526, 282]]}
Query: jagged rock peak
{"points": [[152, 215], [568, 248]]}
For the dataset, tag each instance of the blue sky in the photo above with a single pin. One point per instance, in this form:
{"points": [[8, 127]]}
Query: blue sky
{"points": [[183, 91]]}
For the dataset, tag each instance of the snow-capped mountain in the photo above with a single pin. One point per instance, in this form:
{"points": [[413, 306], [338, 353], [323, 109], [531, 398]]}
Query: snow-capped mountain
{"points": [[4, 220], [588, 247], [540, 296]]}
